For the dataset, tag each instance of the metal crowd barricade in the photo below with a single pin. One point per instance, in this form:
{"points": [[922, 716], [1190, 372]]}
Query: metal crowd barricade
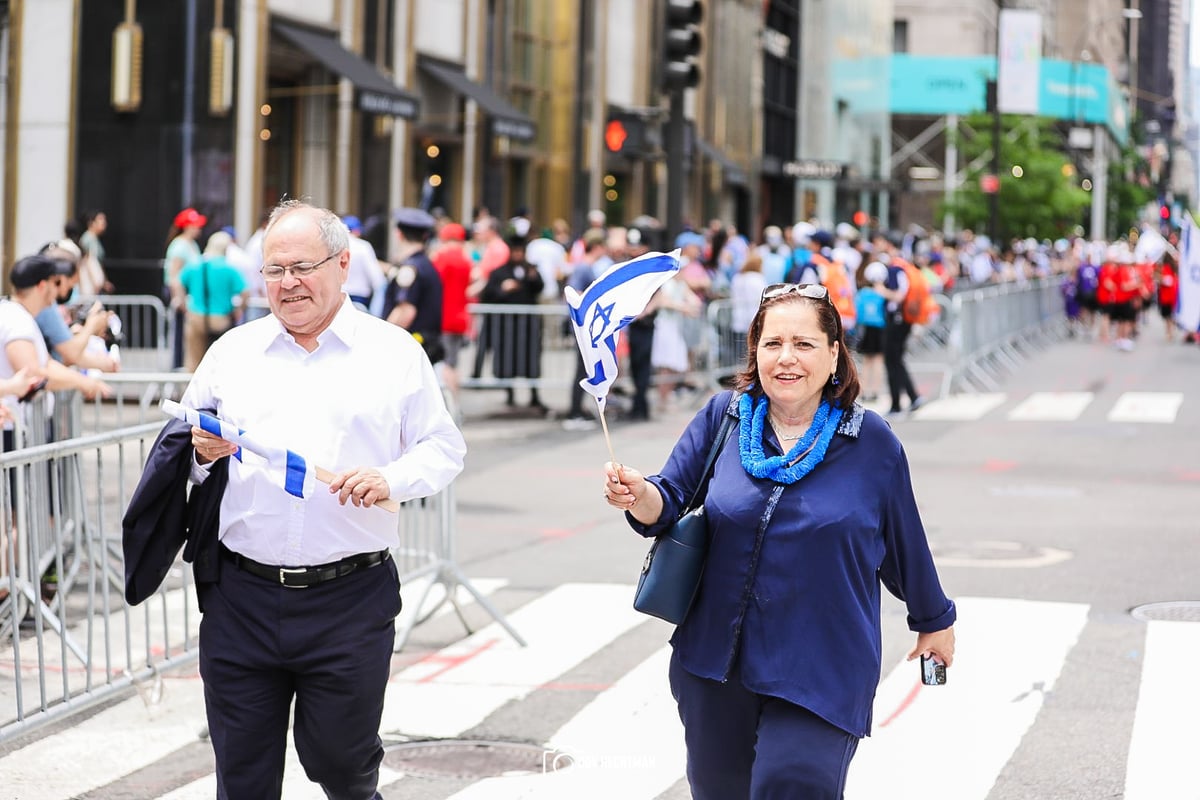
{"points": [[67, 638], [147, 329], [994, 326]]}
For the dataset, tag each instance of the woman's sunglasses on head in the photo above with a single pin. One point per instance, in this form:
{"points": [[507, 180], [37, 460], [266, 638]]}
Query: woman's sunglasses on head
{"points": [[813, 290]]}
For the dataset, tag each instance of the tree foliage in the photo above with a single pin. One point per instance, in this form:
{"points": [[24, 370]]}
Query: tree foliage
{"points": [[1040, 194]]}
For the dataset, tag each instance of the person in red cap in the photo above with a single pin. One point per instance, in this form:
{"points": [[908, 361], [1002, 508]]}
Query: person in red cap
{"points": [[182, 251], [454, 267]]}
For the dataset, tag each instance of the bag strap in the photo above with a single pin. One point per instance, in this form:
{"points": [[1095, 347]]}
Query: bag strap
{"points": [[719, 442]]}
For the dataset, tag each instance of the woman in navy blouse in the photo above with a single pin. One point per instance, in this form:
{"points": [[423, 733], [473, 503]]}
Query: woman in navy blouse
{"points": [[810, 510]]}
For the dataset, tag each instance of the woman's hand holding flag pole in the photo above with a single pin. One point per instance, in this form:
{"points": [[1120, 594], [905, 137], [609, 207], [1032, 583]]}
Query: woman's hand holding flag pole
{"points": [[298, 479], [613, 300]]}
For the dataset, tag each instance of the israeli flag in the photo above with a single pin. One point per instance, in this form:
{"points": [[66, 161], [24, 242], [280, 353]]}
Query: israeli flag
{"points": [[298, 479], [614, 299]]}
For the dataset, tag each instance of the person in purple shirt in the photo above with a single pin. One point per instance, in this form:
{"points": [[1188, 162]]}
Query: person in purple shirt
{"points": [[810, 511]]}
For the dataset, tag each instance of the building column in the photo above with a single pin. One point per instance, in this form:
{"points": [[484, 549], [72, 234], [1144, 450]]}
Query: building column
{"points": [[470, 147], [247, 147], [37, 146], [401, 68], [1099, 183], [343, 139]]}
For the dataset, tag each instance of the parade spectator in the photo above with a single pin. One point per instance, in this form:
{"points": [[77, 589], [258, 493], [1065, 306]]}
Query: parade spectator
{"points": [[1168, 294], [493, 249], [871, 308], [366, 275], [675, 304], [92, 278], [596, 221], [357, 396], [70, 343], [216, 293], [516, 339], [641, 336], [183, 250], [454, 268], [775, 255], [32, 281], [744, 294], [894, 288], [829, 483], [550, 259], [413, 297]]}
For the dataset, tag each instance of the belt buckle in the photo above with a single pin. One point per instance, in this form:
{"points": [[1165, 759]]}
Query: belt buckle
{"points": [[283, 571]]}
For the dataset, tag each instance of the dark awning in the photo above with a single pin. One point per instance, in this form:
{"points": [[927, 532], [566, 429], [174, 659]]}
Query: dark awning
{"points": [[376, 92], [732, 172], [506, 120]]}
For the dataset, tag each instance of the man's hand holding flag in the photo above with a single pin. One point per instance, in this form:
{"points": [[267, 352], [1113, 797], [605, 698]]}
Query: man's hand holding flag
{"points": [[611, 302], [299, 478]]}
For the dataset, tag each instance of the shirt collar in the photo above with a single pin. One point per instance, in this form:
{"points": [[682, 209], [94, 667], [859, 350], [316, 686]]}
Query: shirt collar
{"points": [[344, 326]]}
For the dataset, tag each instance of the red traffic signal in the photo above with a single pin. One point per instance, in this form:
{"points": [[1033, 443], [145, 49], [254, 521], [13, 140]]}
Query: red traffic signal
{"points": [[615, 135], [989, 184]]}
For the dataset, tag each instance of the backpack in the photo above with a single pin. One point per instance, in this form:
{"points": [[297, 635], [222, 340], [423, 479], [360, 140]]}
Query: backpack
{"points": [[919, 307]]}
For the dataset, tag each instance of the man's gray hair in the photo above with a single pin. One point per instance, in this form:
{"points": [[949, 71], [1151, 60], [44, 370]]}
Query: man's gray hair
{"points": [[333, 232]]}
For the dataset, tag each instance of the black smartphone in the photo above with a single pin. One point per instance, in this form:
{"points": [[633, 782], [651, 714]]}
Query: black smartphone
{"points": [[33, 390], [932, 673]]}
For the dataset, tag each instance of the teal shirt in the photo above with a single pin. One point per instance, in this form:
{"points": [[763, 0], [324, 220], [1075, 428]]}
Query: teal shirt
{"points": [[224, 284], [184, 249]]}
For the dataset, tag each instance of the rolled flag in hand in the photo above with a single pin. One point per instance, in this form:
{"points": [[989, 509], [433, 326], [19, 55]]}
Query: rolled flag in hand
{"points": [[614, 299], [297, 479]]}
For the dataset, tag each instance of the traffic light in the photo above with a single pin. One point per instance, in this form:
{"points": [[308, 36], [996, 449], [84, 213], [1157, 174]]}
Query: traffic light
{"points": [[628, 134], [681, 44]]}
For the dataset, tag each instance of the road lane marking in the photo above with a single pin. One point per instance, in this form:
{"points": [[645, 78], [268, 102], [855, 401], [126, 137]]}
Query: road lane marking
{"points": [[958, 408], [1009, 653], [562, 627], [1051, 407], [1162, 749], [1150, 407]]}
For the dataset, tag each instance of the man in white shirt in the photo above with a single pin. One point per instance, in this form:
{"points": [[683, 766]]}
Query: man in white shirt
{"points": [[307, 595], [366, 275]]}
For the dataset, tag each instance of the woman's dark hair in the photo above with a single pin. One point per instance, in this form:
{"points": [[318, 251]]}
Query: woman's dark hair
{"points": [[847, 389]]}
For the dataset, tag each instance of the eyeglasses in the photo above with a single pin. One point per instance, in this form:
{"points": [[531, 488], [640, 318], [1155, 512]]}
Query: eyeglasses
{"points": [[812, 290], [274, 272]]}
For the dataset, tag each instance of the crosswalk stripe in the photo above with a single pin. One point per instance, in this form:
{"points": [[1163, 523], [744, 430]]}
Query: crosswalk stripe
{"points": [[1051, 407], [645, 760], [457, 687], [1162, 751], [1154, 407], [958, 407], [1009, 654], [106, 747]]}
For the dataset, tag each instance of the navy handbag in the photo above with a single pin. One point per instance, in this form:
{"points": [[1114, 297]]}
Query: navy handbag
{"points": [[671, 573]]}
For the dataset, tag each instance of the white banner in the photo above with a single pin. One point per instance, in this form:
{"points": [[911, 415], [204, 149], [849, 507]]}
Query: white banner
{"points": [[1018, 61], [1187, 308]]}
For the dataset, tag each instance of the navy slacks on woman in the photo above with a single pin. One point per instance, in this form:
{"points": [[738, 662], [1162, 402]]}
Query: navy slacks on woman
{"points": [[747, 746], [327, 646]]}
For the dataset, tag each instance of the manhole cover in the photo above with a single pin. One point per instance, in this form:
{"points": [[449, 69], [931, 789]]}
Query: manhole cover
{"points": [[469, 759], [1172, 611], [1012, 555]]}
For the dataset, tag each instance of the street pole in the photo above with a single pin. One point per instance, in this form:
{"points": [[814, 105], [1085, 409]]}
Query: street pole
{"points": [[675, 165], [994, 198]]}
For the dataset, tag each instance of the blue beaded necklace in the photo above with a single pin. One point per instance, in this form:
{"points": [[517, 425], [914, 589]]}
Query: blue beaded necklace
{"points": [[790, 467]]}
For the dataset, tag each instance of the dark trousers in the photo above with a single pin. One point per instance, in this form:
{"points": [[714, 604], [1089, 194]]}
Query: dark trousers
{"points": [[895, 339], [641, 339], [328, 646], [747, 746], [577, 393]]}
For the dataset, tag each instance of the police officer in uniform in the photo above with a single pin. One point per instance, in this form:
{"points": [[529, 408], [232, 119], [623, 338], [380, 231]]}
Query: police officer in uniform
{"points": [[413, 298]]}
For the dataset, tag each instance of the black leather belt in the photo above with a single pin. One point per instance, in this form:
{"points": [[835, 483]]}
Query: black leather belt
{"points": [[303, 577]]}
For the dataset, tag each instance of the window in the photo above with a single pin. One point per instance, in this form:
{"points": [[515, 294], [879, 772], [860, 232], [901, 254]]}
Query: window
{"points": [[900, 36]]}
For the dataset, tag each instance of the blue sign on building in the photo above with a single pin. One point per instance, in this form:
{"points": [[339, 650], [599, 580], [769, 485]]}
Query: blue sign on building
{"points": [[935, 85]]}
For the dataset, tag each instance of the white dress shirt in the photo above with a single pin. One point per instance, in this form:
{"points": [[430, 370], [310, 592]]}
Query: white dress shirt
{"points": [[366, 397]]}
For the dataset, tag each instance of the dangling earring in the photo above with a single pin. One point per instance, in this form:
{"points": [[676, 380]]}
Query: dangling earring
{"points": [[834, 379]]}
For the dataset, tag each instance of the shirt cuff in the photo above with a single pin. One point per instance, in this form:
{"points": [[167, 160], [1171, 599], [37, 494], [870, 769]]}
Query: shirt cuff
{"points": [[199, 471], [938, 623]]}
